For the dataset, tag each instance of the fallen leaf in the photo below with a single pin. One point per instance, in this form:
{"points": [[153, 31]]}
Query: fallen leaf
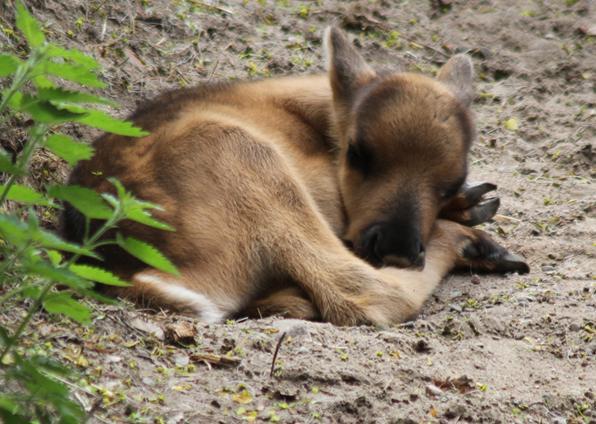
{"points": [[180, 332], [242, 397], [213, 359], [148, 327], [511, 124]]}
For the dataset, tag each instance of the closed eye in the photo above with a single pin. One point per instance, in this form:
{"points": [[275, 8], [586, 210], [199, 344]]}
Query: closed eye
{"points": [[358, 157]]}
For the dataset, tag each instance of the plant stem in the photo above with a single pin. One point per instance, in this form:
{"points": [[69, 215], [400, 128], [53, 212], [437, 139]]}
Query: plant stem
{"points": [[13, 292], [30, 312], [37, 135], [108, 225], [22, 75]]}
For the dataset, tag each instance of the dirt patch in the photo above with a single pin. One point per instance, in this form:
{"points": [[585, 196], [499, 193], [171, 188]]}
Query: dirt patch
{"points": [[492, 349]]}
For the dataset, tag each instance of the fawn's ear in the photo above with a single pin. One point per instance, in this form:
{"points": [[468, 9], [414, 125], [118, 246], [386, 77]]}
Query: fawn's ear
{"points": [[458, 75], [347, 69]]}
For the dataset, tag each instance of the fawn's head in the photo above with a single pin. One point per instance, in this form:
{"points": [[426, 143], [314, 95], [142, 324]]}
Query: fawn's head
{"points": [[404, 141]]}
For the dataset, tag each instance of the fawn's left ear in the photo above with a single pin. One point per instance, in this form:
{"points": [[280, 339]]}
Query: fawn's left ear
{"points": [[347, 69], [458, 75]]}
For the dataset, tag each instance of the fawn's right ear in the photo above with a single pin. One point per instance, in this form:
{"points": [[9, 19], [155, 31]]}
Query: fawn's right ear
{"points": [[347, 69]]}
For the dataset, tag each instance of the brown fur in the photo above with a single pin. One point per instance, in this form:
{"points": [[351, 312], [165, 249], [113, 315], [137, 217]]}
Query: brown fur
{"points": [[254, 178]]}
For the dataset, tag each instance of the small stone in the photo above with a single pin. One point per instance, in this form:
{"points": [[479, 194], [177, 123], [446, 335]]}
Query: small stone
{"points": [[181, 360], [292, 327], [574, 327], [475, 279], [455, 293], [433, 390], [455, 307]]}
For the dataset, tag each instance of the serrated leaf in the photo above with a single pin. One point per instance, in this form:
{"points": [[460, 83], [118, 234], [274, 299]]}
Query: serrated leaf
{"points": [[23, 194], [73, 55], [70, 150], [13, 230], [29, 26], [6, 164], [147, 253], [56, 94], [42, 82], [70, 72], [63, 303], [42, 110], [98, 275], [31, 292], [8, 64], [20, 233], [105, 122], [144, 217], [59, 275], [136, 209], [85, 200]]}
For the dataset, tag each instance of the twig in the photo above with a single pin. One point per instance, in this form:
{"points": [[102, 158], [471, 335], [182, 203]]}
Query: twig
{"points": [[279, 342]]}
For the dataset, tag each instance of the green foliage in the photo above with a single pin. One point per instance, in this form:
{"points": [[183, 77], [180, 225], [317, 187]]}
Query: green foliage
{"points": [[34, 261]]}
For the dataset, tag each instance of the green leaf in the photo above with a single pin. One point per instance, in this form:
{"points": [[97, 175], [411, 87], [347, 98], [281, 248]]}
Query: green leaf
{"points": [[8, 64], [23, 194], [38, 376], [42, 110], [6, 164], [8, 404], [59, 275], [136, 209], [20, 233], [98, 274], [70, 150], [74, 55], [42, 82], [75, 73], [13, 230], [144, 217], [147, 253], [55, 257], [85, 200], [29, 26], [63, 303], [31, 292], [105, 122], [60, 95]]}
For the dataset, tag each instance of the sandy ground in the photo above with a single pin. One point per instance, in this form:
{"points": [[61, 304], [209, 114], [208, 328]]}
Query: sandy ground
{"points": [[486, 349]]}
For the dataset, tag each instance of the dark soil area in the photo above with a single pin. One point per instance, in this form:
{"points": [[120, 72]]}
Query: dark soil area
{"points": [[486, 348]]}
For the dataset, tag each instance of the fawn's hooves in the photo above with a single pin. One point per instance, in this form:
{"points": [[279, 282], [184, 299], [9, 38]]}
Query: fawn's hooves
{"points": [[482, 254], [469, 207]]}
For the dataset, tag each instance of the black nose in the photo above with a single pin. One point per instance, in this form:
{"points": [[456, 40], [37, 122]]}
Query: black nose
{"points": [[395, 246]]}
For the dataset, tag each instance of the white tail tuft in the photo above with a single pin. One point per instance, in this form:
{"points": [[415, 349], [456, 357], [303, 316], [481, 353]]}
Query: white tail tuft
{"points": [[173, 292]]}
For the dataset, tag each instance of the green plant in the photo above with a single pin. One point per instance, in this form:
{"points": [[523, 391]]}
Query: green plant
{"points": [[35, 261]]}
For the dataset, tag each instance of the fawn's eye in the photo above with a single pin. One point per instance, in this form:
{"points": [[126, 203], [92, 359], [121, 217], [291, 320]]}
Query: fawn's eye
{"points": [[358, 157]]}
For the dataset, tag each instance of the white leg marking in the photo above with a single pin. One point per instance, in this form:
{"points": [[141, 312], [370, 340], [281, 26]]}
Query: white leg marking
{"points": [[206, 309]]}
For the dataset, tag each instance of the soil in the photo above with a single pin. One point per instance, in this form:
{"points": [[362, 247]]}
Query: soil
{"points": [[486, 348]]}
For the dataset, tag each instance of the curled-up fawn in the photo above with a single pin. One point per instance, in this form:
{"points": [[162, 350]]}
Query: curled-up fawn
{"points": [[339, 197]]}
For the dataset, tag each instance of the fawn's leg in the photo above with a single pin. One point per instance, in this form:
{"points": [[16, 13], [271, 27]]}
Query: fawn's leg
{"points": [[289, 302]]}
